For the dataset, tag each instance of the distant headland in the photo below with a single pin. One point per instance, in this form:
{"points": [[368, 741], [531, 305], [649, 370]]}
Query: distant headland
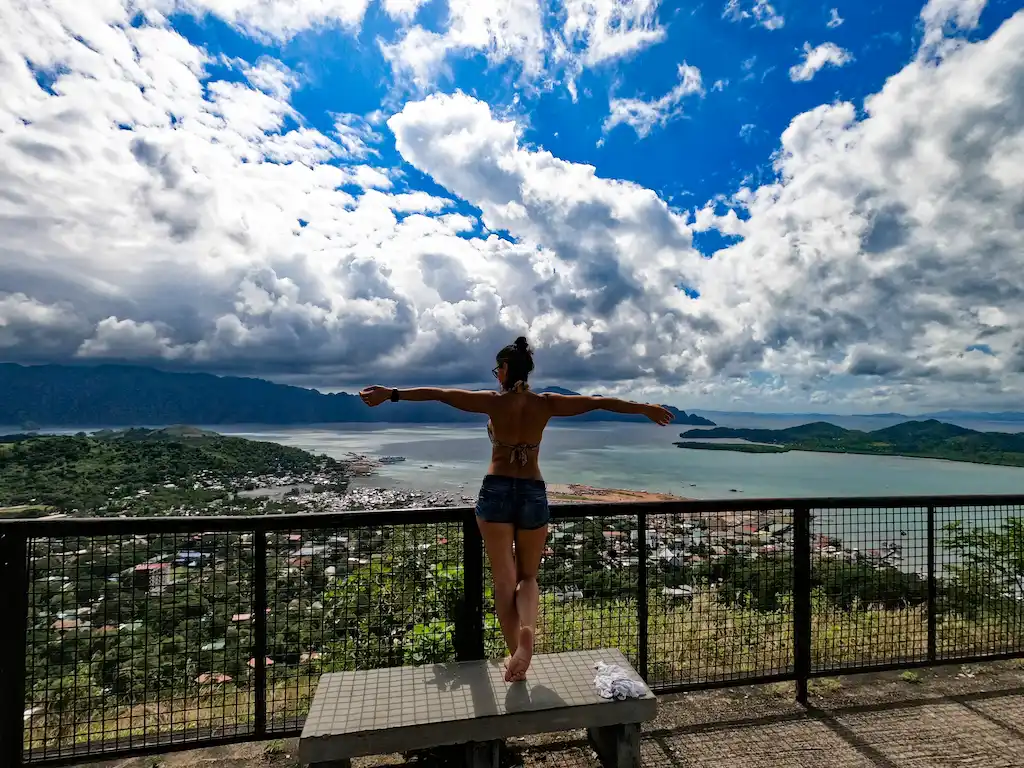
{"points": [[929, 439]]}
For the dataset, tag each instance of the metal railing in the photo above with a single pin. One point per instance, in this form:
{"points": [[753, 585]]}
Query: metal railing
{"points": [[132, 636]]}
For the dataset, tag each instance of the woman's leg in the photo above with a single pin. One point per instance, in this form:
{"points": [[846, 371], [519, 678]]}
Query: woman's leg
{"points": [[498, 538], [529, 550]]}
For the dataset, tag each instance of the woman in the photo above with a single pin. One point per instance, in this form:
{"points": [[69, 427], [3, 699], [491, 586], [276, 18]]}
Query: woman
{"points": [[512, 508]]}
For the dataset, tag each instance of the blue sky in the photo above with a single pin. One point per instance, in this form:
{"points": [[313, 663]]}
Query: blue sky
{"points": [[732, 204]]}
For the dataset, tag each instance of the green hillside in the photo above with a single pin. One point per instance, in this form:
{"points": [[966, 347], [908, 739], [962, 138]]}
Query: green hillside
{"points": [[85, 472], [930, 439]]}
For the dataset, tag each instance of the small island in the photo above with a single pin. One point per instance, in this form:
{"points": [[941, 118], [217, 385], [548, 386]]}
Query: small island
{"points": [[734, 447], [930, 439]]}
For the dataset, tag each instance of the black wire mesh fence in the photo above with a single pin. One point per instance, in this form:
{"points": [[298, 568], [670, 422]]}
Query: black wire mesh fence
{"points": [[979, 575], [720, 588], [356, 598], [588, 579], [151, 635], [901, 585], [869, 587], [135, 638]]}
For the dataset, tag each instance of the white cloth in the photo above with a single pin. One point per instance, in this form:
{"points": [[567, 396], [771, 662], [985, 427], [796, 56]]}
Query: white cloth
{"points": [[613, 682]]}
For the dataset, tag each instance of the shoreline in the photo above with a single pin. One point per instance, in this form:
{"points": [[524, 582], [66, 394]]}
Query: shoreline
{"points": [[367, 467], [580, 493]]}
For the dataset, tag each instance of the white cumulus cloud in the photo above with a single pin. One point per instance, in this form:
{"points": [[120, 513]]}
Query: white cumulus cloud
{"points": [[761, 12], [596, 32], [643, 116], [887, 242], [816, 59], [943, 20], [606, 255], [269, 19], [511, 30], [585, 34], [403, 10]]}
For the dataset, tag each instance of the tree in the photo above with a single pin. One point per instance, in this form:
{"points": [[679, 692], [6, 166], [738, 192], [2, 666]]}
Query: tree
{"points": [[68, 699], [987, 575]]}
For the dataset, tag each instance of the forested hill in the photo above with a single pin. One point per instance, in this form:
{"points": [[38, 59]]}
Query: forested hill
{"points": [[86, 472], [54, 395], [925, 439]]}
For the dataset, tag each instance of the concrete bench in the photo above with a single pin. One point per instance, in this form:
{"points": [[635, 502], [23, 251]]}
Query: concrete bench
{"points": [[402, 709]]}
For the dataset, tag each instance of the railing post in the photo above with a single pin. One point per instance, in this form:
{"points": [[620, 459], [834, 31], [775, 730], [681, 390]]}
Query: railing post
{"points": [[932, 587], [14, 556], [801, 600], [642, 609], [259, 575], [469, 629]]}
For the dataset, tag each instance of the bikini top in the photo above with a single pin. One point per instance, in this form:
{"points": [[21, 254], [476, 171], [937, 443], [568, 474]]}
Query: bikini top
{"points": [[519, 453]]}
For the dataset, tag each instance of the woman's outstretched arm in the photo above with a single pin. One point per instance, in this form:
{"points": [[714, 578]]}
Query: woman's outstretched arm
{"points": [[463, 399], [576, 405]]}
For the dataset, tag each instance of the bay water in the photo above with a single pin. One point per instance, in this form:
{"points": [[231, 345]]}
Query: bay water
{"points": [[638, 457]]}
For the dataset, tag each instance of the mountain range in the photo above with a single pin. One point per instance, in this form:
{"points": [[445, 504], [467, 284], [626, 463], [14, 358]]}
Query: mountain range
{"points": [[123, 395]]}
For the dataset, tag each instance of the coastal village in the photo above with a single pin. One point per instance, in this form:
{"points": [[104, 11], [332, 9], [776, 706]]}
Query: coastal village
{"points": [[674, 543]]}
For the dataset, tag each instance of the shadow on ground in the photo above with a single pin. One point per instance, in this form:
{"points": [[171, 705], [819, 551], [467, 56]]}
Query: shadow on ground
{"points": [[981, 729], [967, 716]]}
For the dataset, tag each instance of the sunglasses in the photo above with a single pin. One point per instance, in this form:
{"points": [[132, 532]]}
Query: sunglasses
{"points": [[495, 371]]}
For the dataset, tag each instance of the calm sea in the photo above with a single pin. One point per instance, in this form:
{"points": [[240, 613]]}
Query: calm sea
{"points": [[641, 457]]}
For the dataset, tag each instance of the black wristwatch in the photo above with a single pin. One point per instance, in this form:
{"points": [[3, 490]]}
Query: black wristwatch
{"points": [[394, 395]]}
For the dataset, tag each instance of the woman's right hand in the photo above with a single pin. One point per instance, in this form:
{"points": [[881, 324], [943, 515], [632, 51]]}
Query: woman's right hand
{"points": [[375, 395], [659, 415]]}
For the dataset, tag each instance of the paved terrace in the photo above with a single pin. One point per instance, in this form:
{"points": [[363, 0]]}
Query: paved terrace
{"points": [[952, 716]]}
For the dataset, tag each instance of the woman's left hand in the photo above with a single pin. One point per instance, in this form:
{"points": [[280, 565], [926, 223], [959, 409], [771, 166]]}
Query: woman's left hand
{"points": [[375, 395], [658, 414]]}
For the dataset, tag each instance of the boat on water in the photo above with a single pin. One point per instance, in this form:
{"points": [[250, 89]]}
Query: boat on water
{"points": [[391, 459]]}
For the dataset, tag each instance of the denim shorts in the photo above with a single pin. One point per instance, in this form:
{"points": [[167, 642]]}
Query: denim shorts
{"points": [[517, 501]]}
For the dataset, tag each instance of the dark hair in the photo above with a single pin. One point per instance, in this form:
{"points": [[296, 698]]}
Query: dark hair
{"points": [[519, 358]]}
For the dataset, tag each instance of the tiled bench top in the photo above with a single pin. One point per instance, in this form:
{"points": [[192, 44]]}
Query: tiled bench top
{"points": [[382, 711]]}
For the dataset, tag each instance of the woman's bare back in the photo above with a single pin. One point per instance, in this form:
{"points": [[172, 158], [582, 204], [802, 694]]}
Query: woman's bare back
{"points": [[516, 428]]}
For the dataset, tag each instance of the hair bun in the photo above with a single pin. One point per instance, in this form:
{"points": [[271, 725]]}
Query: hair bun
{"points": [[521, 345]]}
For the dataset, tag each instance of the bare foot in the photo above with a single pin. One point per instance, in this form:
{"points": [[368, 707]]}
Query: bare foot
{"points": [[520, 662]]}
